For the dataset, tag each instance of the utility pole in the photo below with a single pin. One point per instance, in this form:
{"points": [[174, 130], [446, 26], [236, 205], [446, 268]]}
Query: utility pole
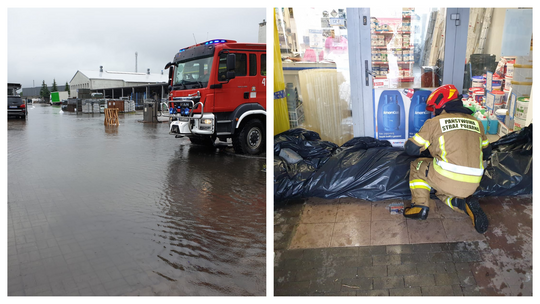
{"points": [[135, 62]]}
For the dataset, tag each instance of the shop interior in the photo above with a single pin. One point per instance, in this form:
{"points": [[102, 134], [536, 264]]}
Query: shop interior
{"points": [[407, 52], [333, 203]]}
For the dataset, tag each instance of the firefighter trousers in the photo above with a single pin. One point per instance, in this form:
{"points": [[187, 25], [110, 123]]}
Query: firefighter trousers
{"points": [[421, 184]]}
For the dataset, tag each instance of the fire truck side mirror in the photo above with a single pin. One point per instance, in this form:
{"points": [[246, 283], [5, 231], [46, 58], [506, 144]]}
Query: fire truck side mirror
{"points": [[171, 72], [231, 66]]}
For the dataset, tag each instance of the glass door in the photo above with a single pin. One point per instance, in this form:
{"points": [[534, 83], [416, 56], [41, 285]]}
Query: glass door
{"points": [[407, 47], [407, 57]]}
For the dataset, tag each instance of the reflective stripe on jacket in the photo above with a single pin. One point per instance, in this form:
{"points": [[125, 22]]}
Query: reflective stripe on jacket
{"points": [[455, 140]]}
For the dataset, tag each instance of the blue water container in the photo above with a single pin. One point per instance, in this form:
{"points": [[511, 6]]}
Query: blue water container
{"points": [[486, 125], [391, 114], [493, 126]]}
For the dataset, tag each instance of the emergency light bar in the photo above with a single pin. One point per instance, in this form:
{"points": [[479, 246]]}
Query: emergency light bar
{"points": [[215, 41]]}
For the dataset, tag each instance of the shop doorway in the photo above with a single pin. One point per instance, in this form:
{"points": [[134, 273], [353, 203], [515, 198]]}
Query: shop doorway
{"points": [[403, 54]]}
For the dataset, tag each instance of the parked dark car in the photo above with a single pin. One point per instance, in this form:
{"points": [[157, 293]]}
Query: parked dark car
{"points": [[17, 106]]}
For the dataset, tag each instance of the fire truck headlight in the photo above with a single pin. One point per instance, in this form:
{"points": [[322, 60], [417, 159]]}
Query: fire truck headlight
{"points": [[207, 121]]}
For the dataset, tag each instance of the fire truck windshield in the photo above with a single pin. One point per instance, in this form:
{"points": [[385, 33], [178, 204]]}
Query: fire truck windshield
{"points": [[192, 74]]}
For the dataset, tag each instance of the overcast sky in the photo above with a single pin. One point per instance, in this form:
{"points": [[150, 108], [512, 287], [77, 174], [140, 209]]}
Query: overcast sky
{"points": [[54, 43]]}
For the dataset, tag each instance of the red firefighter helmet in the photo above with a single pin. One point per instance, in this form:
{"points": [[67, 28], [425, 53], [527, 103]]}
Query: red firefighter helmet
{"points": [[441, 96]]}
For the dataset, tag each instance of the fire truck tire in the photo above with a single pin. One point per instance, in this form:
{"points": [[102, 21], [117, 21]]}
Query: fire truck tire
{"points": [[202, 140], [250, 139]]}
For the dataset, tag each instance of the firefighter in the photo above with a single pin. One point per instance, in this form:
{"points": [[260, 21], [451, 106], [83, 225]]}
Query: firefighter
{"points": [[458, 144]]}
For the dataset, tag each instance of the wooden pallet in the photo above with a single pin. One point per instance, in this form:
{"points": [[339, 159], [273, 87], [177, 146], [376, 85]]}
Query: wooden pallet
{"points": [[111, 116]]}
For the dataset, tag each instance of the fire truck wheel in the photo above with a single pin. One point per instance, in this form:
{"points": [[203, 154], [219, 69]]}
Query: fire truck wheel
{"points": [[250, 140]]}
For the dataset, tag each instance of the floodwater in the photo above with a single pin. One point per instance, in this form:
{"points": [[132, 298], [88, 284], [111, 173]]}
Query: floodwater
{"points": [[129, 210]]}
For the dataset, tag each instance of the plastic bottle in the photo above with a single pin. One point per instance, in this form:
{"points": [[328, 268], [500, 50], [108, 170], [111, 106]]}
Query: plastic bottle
{"points": [[479, 108], [391, 114], [471, 106], [291, 97], [508, 121], [483, 119], [493, 124]]}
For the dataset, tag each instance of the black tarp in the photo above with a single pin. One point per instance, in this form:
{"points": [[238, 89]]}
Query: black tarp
{"points": [[371, 169]]}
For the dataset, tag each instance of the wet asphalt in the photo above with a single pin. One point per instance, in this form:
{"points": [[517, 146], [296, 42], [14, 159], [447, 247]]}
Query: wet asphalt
{"points": [[129, 210]]}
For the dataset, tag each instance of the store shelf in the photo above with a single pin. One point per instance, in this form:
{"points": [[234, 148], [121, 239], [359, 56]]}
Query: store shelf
{"points": [[408, 78], [386, 62], [392, 47], [389, 32]]}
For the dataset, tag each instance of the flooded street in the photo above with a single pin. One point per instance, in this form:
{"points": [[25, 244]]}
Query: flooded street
{"points": [[129, 210]]}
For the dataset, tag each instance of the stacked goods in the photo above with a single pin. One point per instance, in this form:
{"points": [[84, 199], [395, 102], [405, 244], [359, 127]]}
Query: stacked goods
{"points": [[126, 106], [520, 117], [480, 112], [406, 41], [499, 102], [87, 106], [477, 82], [518, 77], [497, 83], [117, 104], [477, 94], [517, 74]]}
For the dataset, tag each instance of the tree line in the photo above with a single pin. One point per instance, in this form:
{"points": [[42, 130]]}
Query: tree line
{"points": [[45, 94]]}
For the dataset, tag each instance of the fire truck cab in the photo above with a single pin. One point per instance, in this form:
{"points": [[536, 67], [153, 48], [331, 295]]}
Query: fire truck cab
{"points": [[217, 89]]}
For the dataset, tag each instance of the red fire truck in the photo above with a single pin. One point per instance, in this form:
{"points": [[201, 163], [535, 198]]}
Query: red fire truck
{"points": [[217, 89]]}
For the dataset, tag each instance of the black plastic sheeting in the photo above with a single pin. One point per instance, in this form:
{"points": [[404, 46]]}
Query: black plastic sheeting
{"points": [[373, 170], [509, 169]]}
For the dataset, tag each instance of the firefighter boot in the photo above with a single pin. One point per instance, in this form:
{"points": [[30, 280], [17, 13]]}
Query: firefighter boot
{"points": [[477, 215], [416, 212]]}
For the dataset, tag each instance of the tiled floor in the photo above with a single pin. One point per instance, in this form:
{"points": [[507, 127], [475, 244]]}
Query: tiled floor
{"points": [[354, 222], [355, 247]]}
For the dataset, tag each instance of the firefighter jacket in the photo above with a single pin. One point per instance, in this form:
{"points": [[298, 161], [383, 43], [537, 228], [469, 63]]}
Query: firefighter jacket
{"points": [[457, 142]]}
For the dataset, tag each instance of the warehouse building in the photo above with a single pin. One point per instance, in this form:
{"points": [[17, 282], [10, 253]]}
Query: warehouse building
{"points": [[115, 84], [34, 92]]}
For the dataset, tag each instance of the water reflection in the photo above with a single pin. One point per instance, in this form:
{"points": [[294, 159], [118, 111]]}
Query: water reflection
{"points": [[213, 223], [111, 130], [133, 203]]}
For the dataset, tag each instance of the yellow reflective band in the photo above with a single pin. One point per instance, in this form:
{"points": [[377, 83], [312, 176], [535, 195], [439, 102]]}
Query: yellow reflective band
{"points": [[485, 143], [457, 176], [421, 141], [441, 145], [419, 184], [448, 201], [420, 187]]}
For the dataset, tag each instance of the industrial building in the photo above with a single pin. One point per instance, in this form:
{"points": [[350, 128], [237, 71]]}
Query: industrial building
{"points": [[114, 84]]}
